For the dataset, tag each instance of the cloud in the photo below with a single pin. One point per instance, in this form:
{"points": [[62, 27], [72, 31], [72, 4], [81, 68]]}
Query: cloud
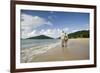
{"points": [[29, 23], [66, 29], [33, 33], [51, 17], [51, 32], [54, 33]]}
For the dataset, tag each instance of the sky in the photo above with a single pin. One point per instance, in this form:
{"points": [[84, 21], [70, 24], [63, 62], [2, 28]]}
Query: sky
{"points": [[51, 23]]}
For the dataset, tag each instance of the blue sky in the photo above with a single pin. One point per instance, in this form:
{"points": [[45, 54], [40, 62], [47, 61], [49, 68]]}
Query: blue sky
{"points": [[51, 23]]}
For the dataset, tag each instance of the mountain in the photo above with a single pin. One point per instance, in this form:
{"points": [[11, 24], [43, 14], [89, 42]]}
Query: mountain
{"points": [[40, 37], [79, 34]]}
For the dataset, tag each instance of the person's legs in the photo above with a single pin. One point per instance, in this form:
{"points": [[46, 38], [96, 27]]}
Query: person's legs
{"points": [[65, 43], [62, 43]]}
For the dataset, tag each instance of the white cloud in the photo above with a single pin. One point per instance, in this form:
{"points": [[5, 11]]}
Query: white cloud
{"points": [[51, 32], [33, 33], [74, 31], [29, 23], [55, 33], [65, 29]]}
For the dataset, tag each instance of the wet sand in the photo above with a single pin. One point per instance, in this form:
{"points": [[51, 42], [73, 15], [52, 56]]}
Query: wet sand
{"points": [[77, 49]]}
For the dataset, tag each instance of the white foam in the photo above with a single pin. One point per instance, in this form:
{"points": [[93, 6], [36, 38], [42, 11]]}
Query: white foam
{"points": [[28, 54]]}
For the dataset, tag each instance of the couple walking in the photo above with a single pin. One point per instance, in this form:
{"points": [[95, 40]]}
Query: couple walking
{"points": [[64, 39]]}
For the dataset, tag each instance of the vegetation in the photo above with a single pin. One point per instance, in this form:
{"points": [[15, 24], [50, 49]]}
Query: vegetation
{"points": [[79, 34]]}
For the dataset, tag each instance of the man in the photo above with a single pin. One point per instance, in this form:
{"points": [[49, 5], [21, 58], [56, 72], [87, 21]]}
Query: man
{"points": [[62, 38], [65, 39]]}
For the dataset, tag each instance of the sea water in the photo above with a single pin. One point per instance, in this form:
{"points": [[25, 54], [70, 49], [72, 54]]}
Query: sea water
{"points": [[32, 47], [28, 43]]}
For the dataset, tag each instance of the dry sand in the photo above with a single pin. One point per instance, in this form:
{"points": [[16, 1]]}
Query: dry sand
{"points": [[77, 49]]}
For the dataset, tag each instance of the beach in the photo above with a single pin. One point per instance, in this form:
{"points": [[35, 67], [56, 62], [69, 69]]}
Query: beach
{"points": [[77, 49]]}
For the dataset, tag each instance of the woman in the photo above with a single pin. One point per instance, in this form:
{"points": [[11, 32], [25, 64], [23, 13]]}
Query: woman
{"points": [[65, 40]]}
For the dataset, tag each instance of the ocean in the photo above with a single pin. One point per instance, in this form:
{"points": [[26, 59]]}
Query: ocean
{"points": [[28, 43], [32, 47]]}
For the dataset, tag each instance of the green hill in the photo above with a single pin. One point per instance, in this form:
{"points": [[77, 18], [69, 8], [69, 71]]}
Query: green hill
{"points": [[40, 37], [79, 34]]}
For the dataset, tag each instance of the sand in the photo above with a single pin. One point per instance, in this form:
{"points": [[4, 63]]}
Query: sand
{"points": [[77, 49]]}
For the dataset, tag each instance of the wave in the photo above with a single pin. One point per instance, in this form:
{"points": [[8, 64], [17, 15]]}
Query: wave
{"points": [[27, 55]]}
